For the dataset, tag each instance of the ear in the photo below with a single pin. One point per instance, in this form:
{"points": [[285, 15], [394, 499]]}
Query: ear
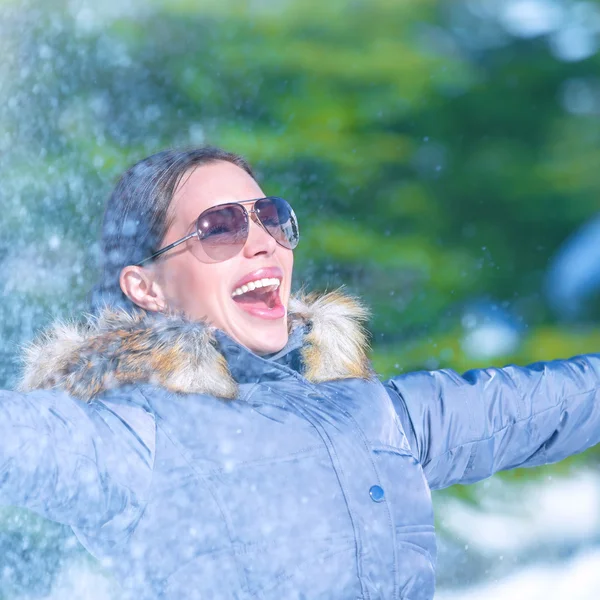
{"points": [[140, 286]]}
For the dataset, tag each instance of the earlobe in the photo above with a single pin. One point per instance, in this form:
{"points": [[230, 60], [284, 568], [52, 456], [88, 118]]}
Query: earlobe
{"points": [[139, 285]]}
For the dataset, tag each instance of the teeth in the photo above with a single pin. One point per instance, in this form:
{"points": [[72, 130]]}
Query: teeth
{"points": [[259, 283]]}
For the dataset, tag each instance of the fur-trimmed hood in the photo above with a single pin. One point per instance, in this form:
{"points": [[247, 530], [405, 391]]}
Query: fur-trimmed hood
{"points": [[118, 348]]}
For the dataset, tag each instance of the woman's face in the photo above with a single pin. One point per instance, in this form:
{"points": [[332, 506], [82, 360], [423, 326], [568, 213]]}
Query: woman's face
{"points": [[213, 290]]}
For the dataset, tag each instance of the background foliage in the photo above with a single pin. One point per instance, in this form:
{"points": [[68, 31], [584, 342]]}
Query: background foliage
{"points": [[437, 158]]}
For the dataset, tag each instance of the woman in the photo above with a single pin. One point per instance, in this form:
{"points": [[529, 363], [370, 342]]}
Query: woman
{"points": [[219, 438]]}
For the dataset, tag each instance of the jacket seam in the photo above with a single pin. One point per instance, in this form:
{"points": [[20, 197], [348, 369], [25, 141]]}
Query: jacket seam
{"points": [[249, 393], [308, 451], [393, 449], [224, 514], [289, 576], [340, 475], [419, 549], [369, 451], [151, 483], [416, 452]]}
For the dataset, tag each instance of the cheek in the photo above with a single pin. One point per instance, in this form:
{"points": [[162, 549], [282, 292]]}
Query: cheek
{"points": [[288, 264], [289, 259], [186, 282], [196, 288]]}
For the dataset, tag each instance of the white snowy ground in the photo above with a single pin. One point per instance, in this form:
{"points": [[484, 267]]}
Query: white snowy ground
{"points": [[542, 543], [576, 579]]}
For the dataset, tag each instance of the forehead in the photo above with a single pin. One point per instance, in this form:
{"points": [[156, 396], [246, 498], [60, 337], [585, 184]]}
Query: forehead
{"points": [[208, 185]]}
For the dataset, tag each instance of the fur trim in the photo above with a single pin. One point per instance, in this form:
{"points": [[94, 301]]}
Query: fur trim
{"points": [[118, 348], [336, 345]]}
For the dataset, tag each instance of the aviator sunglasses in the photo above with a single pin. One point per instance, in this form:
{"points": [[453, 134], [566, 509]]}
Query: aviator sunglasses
{"points": [[222, 230]]}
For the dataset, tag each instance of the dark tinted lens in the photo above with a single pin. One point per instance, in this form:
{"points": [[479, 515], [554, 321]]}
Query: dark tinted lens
{"points": [[279, 220], [223, 230]]}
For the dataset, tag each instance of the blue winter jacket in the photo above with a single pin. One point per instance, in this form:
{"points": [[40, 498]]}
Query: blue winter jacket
{"points": [[195, 469]]}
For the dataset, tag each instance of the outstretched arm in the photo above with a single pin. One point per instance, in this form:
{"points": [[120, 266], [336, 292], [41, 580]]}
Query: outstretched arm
{"points": [[73, 462], [465, 428]]}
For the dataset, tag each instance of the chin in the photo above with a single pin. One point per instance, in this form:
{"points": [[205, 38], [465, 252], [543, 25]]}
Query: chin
{"points": [[267, 343]]}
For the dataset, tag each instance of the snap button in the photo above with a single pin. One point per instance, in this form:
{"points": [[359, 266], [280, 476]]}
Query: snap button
{"points": [[376, 493]]}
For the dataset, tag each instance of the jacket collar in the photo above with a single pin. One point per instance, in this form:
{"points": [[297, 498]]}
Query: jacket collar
{"points": [[117, 348], [246, 367]]}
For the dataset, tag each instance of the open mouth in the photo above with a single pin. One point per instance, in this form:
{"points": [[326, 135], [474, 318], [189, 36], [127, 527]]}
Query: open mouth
{"points": [[260, 298]]}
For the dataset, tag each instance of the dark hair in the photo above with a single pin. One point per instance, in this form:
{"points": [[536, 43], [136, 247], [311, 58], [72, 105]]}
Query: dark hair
{"points": [[136, 216]]}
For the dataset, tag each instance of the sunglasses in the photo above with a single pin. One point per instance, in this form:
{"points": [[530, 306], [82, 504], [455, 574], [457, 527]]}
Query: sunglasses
{"points": [[222, 230]]}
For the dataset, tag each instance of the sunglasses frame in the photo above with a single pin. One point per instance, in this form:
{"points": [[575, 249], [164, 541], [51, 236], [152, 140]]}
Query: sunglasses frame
{"points": [[249, 213]]}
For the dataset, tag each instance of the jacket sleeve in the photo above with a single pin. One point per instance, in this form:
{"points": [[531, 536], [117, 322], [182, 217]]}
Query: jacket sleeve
{"points": [[465, 428], [77, 463]]}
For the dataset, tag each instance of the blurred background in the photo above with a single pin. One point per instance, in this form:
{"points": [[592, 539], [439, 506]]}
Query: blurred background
{"points": [[443, 158]]}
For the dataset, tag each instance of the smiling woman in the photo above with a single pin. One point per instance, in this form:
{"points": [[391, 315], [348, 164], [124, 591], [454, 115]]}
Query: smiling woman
{"points": [[225, 251], [209, 435]]}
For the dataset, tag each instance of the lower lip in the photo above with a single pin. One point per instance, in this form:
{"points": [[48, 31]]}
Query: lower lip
{"points": [[270, 314]]}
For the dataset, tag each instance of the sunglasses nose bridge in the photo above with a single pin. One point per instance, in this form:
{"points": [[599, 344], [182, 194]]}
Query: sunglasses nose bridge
{"points": [[254, 216], [253, 239]]}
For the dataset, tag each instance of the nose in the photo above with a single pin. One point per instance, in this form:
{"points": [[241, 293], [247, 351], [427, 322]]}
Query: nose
{"points": [[260, 241]]}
